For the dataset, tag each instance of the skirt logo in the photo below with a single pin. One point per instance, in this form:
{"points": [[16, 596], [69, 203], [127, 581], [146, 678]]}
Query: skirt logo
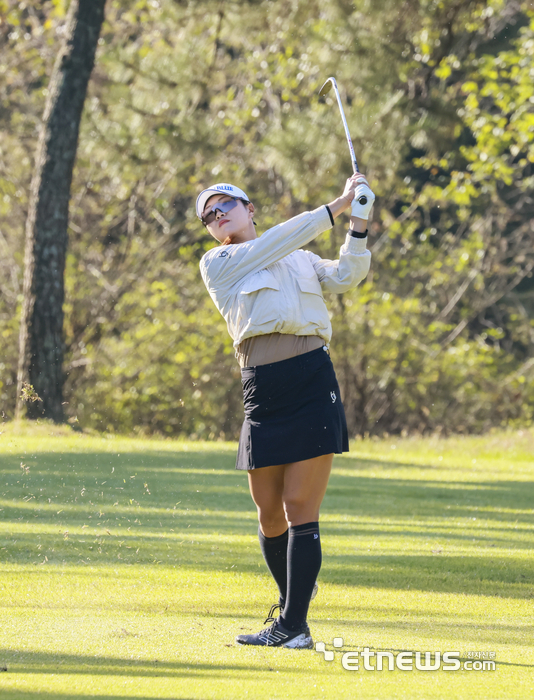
{"points": [[333, 396]]}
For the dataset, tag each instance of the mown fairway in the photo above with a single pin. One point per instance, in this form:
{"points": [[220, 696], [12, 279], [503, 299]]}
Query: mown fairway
{"points": [[128, 566]]}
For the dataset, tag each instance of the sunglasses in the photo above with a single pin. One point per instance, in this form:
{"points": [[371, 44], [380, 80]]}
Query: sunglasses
{"points": [[223, 207]]}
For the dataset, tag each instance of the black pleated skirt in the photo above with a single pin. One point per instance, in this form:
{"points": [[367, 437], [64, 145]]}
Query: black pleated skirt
{"points": [[293, 412]]}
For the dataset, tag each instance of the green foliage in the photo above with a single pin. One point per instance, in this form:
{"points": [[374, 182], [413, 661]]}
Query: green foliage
{"points": [[458, 336], [439, 99]]}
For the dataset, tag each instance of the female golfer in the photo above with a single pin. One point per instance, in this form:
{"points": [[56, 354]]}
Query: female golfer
{"points": [[269, 291]]}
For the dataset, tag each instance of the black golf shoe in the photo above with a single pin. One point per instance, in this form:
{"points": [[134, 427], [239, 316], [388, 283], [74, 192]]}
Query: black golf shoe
{"points": [[278, 636]]}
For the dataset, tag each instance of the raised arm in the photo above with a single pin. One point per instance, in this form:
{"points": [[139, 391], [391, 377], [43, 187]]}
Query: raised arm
{"points": [[225, 266], [352, 267]]}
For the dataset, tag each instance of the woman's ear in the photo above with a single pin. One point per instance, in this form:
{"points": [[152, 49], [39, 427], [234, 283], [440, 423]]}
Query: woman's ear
{"points": [[250, 207]]}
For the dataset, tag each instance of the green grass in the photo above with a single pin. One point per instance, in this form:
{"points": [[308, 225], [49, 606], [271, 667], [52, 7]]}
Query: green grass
{"points": [[127, 567]]}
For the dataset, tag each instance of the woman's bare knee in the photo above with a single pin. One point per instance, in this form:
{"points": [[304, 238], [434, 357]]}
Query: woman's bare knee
{"points": [[266, 488], [304, 487], [272, 523], [298, 512]]}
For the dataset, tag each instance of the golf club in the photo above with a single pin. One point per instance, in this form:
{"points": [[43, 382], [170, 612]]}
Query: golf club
{"points": [[331, 82]]}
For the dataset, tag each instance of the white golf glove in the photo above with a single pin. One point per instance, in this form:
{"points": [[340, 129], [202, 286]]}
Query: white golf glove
{"points": [[363, 201]]}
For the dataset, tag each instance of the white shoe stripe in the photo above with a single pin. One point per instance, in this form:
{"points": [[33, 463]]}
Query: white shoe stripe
{"points": [[278, 636]]}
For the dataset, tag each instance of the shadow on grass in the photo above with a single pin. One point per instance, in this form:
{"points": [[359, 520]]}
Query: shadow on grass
{"points": [[42, 695], [43, 662], [506, 577], [193, 510]]}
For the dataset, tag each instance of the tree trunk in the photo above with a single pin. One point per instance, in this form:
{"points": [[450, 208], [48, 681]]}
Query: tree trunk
{"points": [[41, 333]]}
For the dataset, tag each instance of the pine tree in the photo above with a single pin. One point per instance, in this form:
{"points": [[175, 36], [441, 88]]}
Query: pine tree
{"points": [[41, 331]]}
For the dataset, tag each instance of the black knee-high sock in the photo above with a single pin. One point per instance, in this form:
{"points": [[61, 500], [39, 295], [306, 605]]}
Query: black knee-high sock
{"points": [[303, 564], [274, 551]]}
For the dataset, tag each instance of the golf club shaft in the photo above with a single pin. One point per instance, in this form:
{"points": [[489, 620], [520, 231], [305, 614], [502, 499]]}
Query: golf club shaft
{"points": [[349, 140]]}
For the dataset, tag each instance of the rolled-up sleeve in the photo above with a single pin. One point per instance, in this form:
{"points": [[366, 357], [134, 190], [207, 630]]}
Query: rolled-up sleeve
{"points": [[352, 267]]}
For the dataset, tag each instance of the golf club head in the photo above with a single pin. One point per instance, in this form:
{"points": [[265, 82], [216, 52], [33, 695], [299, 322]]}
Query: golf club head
{"points": [[331, 83], [327, 87]]}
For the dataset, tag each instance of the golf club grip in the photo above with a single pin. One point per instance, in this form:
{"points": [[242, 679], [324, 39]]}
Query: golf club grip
{"points": [[355, 167], [349, 141]]}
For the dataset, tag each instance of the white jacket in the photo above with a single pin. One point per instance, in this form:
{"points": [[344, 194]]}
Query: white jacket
{"points": [[268, 285]]}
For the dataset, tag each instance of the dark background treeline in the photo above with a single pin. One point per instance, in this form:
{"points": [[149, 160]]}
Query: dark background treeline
{"points": [[439, 96]]}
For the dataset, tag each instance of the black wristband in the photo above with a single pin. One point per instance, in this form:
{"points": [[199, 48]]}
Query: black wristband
{"points": [[329, 214], [358, 234]]}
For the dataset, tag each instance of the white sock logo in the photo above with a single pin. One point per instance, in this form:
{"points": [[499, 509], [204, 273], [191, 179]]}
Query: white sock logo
{"points": [[333, 396]]}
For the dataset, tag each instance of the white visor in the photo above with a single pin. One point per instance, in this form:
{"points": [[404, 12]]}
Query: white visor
{"points": [[220, 188]]}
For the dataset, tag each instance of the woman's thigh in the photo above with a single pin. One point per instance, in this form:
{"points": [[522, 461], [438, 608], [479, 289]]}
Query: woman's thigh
{"points": [[267, 488], [304, 488], [289, 494]]}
